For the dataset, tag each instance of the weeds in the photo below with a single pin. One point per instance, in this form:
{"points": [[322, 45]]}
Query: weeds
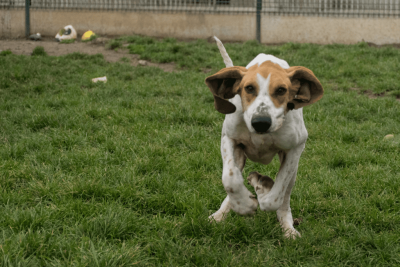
{"points": [[5, 53], [39, 51], [114, 44]]}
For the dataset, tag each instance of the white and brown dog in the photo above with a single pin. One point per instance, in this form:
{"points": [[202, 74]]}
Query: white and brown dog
{"points": [[263, 102]]}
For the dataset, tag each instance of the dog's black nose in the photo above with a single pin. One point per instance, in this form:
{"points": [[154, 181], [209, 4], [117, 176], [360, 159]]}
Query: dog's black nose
{"points": [[261, 124]]}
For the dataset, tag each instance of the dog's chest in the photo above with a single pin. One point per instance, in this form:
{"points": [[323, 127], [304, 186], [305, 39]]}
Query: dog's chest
{"points": [[260, 149]]}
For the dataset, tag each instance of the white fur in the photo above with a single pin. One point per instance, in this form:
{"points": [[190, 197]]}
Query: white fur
{"points": [[261, 58], [287, 133], [227, 60]]}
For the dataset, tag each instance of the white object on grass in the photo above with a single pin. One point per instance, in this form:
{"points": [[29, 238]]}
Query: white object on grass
{"points": [[142, 62], [389, 136], [100, 79]]}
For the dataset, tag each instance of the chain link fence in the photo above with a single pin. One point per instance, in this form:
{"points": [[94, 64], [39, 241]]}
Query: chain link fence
{"points": [[342, 8]]}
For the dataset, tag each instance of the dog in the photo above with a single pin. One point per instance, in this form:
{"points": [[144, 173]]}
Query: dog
{"points": [[263, 103]]}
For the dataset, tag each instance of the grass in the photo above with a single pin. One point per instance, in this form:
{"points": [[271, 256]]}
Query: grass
{"points": [[350, 67], [127, 172]]}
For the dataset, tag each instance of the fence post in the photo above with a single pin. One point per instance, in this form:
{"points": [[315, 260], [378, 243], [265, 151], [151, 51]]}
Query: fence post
{"points": [[27, 19], [258, 21]]}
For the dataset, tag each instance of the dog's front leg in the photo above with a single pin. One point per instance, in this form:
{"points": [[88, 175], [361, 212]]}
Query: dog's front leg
{"points": [[284, 213], [278, 198], [239, 198]]}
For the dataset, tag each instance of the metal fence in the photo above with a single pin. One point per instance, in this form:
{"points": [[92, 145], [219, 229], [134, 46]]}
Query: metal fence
{"points": [[342, 8]]}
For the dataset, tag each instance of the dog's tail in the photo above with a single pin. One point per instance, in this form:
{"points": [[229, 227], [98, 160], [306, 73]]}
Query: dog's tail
{"points": [[227, 60]]}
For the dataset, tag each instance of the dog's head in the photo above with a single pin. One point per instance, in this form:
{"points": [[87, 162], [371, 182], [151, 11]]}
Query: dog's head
{"points": [[268, 92]]}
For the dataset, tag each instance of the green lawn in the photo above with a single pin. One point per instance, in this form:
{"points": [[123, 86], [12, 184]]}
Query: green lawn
{"points": [[127, 172]]}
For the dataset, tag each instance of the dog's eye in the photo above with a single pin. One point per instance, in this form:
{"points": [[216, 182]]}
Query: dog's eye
{"points": [[281, 91], [250, 89]]}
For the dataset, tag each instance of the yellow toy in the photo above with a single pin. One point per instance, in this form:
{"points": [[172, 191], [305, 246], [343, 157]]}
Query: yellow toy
{"points": [[87, 35]]}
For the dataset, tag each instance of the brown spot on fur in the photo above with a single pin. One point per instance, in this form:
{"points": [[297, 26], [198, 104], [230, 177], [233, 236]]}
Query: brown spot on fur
{"points": [[229, 161], [224, 150], [229, 189], [278, 81], [297, 221], [238, 202], [276, 199], [230, 172], [247, 100]]}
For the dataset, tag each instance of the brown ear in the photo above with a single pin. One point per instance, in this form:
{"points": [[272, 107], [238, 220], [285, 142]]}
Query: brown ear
{"points": [[224, 85], [305, 90]]}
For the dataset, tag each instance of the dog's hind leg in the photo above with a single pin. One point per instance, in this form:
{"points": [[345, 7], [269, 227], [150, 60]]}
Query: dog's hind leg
{"points": [[262, 183]]}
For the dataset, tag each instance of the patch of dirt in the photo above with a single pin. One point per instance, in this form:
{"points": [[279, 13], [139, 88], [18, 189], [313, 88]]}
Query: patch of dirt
{"points": [[53, 48], [371, 94], [384, 45]]}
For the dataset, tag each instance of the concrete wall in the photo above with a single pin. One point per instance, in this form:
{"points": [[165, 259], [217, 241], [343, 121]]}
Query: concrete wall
{"points": [[328, 30], [275, 29]]}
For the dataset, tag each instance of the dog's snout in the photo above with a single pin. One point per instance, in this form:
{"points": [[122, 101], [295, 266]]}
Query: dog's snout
{"points": [[261, 124]]}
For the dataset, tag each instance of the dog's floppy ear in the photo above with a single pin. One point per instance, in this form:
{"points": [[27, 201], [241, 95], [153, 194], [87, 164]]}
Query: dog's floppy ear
{"points": [[224, 85], [305, 90]]}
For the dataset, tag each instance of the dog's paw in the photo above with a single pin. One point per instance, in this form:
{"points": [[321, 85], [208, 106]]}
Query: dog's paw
{"points": [[291, 233], [262, 183], [217, 217]]}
